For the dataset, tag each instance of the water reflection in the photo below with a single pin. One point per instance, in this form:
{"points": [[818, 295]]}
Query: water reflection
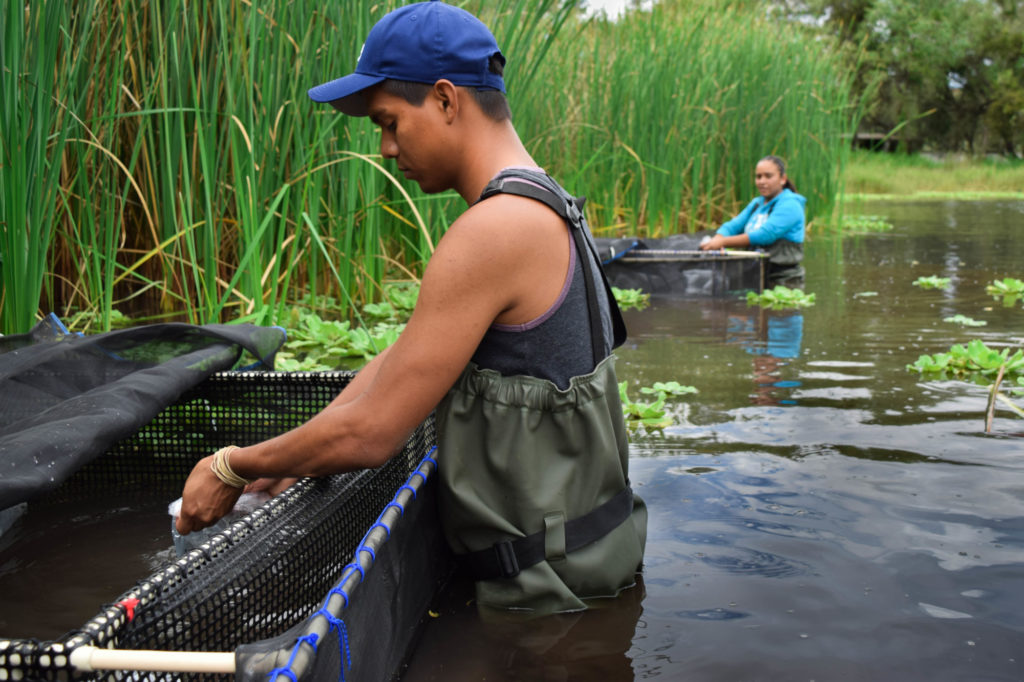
{"points": [[817, 511], [772, 337], [464, 644]]}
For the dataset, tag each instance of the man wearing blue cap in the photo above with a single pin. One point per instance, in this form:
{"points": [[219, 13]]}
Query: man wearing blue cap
{"points": [[510, 341]]}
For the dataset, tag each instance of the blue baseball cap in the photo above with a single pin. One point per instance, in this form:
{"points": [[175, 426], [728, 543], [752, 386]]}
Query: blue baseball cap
{"points": [[423, 42]]}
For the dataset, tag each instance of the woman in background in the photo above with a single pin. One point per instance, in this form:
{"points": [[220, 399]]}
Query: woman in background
{"points": [[772, 222]]}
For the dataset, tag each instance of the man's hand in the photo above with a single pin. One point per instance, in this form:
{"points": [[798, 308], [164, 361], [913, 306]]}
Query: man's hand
{"points": [[205, 499], [271, 486]]}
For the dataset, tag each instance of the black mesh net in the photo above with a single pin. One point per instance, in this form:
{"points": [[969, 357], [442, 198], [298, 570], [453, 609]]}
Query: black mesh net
{"points": [[675, 266], [65, 398], [277, 568]]}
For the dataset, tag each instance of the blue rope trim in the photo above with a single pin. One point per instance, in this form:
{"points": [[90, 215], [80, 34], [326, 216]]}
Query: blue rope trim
{"points": [[343, 645], [365, 548], [286, 670], [353, 567], [339, 590], [620, 254]]}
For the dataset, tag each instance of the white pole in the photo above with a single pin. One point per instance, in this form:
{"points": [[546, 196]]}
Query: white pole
{"points": [[89, 658]]}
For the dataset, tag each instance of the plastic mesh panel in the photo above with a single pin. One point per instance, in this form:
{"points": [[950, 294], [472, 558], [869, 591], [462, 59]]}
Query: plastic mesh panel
{"points": [[261, 576], [675, 266]]}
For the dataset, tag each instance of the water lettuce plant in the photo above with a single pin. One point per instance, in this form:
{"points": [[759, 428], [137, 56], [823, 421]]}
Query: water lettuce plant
{"points": [[651, 414], [932, 282], [315, 344], [780, 297], [857, 224], [1009, 289], [637, 413], [974, 358], [669, 388], [965, 321], [631, 298], [980, 364]]}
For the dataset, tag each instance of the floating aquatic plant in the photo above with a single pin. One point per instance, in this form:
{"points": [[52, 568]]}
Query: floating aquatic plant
{"points": [[640, 413], [974, 358], [668, 388], [932, 282], [1009, 289], [865, 223], [315, 344], [965, 321], [781, 297], [980, 364], [651, 415], [631, 298]]}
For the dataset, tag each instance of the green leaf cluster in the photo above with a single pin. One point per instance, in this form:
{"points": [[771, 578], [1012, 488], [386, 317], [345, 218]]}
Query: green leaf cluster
{"points": [[932, 282], [781, 297], [965, 321], [651, 415], [631, 298], [315, 344], [865, 223], [668, 388], [1009, 289], [975, 360]]}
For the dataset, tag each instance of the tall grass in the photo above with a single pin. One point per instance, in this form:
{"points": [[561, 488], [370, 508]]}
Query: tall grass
{"points": [[161, 157], [662, 115], [39, 97], [878, 173]]}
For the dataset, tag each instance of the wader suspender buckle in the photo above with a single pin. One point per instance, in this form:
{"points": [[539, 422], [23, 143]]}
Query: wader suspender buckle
{"points": [[507, 558], [505, 554]]}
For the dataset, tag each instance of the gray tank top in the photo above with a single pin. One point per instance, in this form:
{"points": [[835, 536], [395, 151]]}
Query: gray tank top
{"points": [[556, 345]]}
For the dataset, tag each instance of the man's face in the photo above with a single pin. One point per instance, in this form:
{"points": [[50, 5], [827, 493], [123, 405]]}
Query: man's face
{"points": [[413, 136]]}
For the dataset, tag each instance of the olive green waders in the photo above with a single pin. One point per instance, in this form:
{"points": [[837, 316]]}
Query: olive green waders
{"points": [[519, 458]]}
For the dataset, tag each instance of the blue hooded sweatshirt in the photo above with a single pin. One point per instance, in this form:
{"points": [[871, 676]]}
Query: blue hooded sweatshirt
{"points": [[767, 222]]}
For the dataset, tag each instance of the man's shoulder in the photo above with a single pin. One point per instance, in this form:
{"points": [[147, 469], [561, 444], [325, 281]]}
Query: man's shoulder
{"points": [[506, 216]]}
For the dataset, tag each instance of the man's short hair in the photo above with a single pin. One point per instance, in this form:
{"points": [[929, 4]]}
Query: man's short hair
{"points": [[493, 103]]}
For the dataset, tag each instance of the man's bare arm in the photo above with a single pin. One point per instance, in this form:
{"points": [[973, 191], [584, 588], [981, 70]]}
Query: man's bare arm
{"points": [[476, 274]]}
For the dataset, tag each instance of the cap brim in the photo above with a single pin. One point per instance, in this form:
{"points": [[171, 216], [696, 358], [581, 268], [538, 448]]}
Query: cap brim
{"points": [[346, 94]]}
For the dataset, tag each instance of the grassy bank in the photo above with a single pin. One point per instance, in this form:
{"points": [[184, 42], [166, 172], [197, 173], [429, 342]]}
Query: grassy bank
{"points": [[882, 175]]}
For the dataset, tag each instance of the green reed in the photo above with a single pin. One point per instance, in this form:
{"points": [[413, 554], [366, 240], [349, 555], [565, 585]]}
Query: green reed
{"points": [[39, 69], [663, 115], [162, 158]]}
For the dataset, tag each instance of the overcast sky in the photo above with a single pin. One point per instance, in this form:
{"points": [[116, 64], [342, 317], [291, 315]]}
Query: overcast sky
{"points": [[612, 7]]}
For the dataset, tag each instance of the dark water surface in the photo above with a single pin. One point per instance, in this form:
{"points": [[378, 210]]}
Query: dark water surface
{"points": [[817, 511]]}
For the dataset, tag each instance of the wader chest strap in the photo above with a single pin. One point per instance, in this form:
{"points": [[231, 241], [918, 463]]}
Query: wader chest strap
{"points": [[507, 558], [540, 187]]}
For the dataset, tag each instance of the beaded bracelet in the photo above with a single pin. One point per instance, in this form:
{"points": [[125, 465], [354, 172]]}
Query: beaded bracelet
{"points": [[222, 469]]}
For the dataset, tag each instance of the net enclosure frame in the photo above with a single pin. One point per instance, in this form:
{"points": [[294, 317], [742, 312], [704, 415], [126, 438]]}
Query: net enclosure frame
{"points": [[330, 579], [675, 266]]}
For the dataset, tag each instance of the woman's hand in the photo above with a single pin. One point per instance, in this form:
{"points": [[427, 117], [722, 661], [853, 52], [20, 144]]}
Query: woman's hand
{"points": [[715, 243]]}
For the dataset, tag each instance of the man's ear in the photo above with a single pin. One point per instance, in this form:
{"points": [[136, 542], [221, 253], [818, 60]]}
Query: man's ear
{"points": [[446, 97]]}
